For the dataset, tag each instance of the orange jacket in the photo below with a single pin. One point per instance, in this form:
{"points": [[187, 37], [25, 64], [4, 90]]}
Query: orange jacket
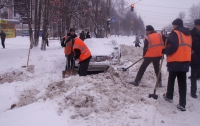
{"points": [[68, 48], [85, 52], [183, 53], [155, 45]]}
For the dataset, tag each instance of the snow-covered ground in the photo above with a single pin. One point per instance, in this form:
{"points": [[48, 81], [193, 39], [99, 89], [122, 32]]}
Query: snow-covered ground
{"points": [[39, 96]]}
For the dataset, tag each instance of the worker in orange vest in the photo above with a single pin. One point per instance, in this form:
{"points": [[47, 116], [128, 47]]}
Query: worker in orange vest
{"points": [[68, 49], [178, 53], [83, 54], [153, 45]]}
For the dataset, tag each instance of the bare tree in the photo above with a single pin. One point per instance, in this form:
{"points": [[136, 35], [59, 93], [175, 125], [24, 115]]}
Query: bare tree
{"points": [[37, 20], [181, 15], [194, 12], [3, 3]]}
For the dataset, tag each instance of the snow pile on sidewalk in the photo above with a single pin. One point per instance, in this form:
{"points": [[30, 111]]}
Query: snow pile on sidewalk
{"points": [[41, 97]]}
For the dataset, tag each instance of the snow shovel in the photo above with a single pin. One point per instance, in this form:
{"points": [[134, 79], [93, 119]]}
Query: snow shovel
{"points": [[125, 69], [31, 39], [69, 71], [154, 96]]}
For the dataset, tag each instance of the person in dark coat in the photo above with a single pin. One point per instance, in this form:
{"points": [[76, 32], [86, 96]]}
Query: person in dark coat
{"points": [[47, 41], [153, 45], [88, 35], [195, 60], [137, 41], [178, 53], [82, 35], [3, 37]]}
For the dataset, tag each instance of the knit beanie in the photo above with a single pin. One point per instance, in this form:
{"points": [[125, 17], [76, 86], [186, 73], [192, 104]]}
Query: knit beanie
{"points": [[197, 22], [72, 29], [178, 22], [149, 28]]}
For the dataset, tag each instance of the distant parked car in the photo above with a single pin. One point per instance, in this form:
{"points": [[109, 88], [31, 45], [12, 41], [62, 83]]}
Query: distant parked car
{"points": [[105, 52]]}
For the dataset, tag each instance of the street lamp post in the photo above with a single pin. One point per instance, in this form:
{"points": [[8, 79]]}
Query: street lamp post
{"points": [[108, 19]]}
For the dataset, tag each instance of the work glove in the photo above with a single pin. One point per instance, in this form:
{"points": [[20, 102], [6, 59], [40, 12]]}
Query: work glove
{"points": [[163, 51], [63, 44]]}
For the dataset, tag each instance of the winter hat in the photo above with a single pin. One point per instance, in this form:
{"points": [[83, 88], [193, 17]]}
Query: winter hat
{"points": [[178, 22], [197, 22], [149, 28], [72, 29]]}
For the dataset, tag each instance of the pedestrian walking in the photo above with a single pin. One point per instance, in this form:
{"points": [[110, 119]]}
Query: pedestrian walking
{"points": [[137, 41], [3, 37]]}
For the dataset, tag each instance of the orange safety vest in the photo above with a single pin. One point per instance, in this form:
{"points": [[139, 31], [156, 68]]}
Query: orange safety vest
{"points": [[68, 47], [155, 45], [85, 52], [183, 53]]}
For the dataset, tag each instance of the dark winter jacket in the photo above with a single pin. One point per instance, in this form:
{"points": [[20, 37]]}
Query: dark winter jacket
{"points": [[3, 36], [137, 40], [82, 36], [88, 36], [146, 44], [195, 62], [172, 47]]}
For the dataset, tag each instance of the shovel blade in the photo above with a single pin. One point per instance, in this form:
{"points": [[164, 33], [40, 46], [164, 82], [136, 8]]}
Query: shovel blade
{"points": [[154, 96], [68, 73], [124, 69]]}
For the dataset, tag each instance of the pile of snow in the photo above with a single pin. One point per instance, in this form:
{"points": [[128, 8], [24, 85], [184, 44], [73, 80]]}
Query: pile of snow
{"points": [[39, 96]]}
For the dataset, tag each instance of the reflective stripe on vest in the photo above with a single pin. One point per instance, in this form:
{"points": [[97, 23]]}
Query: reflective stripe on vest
{"points": [[80, 47], [155, 45], [85, 52], [183, 54]]}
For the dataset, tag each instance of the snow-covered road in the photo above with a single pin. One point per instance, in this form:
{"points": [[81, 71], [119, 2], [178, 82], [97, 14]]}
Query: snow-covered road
{"points": [[42, 97]]}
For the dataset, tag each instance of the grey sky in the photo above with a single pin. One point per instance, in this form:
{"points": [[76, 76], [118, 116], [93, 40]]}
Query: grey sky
{"points": [[159, 17]]}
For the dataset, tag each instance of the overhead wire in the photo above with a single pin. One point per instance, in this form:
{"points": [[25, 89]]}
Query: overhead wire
{"points": [[155, 15], [152, 16], [154, 12], [163, 6]]}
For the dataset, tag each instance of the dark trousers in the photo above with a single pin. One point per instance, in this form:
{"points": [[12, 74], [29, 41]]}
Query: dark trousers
{"points": [[69, 62], [84, 67], [3, 42], [47, 42], [145, 64], [137, 45], [181, 77], [193, 80]]}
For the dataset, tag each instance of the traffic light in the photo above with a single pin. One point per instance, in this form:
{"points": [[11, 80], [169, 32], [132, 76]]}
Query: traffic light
{"points": [[132, 7]]}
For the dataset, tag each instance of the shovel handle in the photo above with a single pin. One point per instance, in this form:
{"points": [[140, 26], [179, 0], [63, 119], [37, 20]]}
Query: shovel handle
{"points": [[134, 63], [159, 69]]}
